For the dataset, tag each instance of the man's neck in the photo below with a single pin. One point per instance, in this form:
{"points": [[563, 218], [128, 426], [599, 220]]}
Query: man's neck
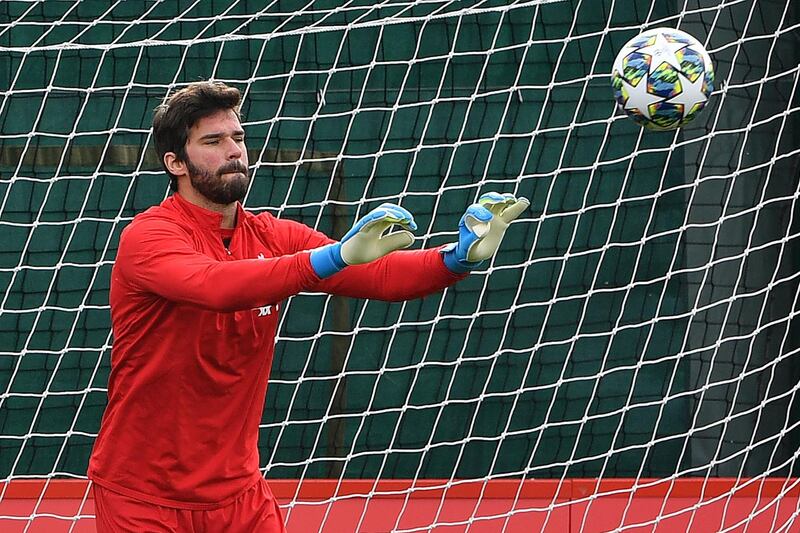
{"points": [[228, 211]]}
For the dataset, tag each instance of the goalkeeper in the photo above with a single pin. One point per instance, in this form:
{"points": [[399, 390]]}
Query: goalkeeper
{"points": [[195, 295]]}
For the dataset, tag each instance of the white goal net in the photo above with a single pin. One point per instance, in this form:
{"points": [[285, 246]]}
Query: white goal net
{"points": [[628, 361]]}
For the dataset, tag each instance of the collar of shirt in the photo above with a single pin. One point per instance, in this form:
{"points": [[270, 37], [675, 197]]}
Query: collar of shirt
{"points": [[204, 217]]}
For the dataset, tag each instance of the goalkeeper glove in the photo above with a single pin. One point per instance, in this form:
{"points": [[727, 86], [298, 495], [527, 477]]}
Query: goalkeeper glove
{"points": [[366, 241], [481, 230]]}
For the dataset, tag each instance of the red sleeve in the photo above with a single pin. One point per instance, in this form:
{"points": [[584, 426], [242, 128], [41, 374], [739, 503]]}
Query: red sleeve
{"points": [[402, 275], [158, 256]]}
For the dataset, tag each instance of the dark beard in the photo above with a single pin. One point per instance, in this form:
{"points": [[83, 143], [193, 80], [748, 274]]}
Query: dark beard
{"points": [[215, 188]]}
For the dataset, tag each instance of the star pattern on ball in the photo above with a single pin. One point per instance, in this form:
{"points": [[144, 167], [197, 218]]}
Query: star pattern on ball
{"points": [[638, 93], [662, 51], [691, 94]]}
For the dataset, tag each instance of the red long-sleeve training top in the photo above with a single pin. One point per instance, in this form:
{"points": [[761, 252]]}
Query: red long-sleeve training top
{"points": [[194, 327]]}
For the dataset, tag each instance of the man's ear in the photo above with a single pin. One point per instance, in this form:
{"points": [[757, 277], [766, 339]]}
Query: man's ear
{"points": [[174, 165]]}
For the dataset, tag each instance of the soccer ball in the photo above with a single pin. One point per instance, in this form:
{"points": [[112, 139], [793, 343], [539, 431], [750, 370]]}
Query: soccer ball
{"points": [[662, 78]]}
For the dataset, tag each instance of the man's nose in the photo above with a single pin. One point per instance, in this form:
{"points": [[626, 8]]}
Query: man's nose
{"points": [[234, 149]]}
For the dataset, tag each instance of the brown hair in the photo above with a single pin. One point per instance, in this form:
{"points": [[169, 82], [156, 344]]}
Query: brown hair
{"points": [[173, 119]]}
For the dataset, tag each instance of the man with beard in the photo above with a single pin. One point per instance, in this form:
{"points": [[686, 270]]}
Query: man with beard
{"points": [[195, 294]]}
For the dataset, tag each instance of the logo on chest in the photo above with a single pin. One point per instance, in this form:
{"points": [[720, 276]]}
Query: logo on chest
{"points": [[266, 310]]}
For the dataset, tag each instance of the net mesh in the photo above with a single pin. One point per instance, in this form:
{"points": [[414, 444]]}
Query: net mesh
{"points": [[641, 320]]}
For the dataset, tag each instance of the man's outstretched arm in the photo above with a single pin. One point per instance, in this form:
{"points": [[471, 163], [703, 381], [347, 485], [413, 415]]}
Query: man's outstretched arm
{"points": [[405, 275]]}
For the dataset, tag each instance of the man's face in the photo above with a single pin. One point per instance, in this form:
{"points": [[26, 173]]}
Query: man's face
{"points": [[216, 158]]}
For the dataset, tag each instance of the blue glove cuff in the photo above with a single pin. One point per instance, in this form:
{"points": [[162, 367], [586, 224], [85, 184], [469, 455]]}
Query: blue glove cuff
{"points": [[327, 261], [450, 256]]}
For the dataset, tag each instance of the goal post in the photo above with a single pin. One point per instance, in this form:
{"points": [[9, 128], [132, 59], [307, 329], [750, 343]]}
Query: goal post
{"points": [[629, 359]]}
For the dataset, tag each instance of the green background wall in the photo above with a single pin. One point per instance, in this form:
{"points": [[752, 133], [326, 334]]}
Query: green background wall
{"points": [[453, 383]]}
